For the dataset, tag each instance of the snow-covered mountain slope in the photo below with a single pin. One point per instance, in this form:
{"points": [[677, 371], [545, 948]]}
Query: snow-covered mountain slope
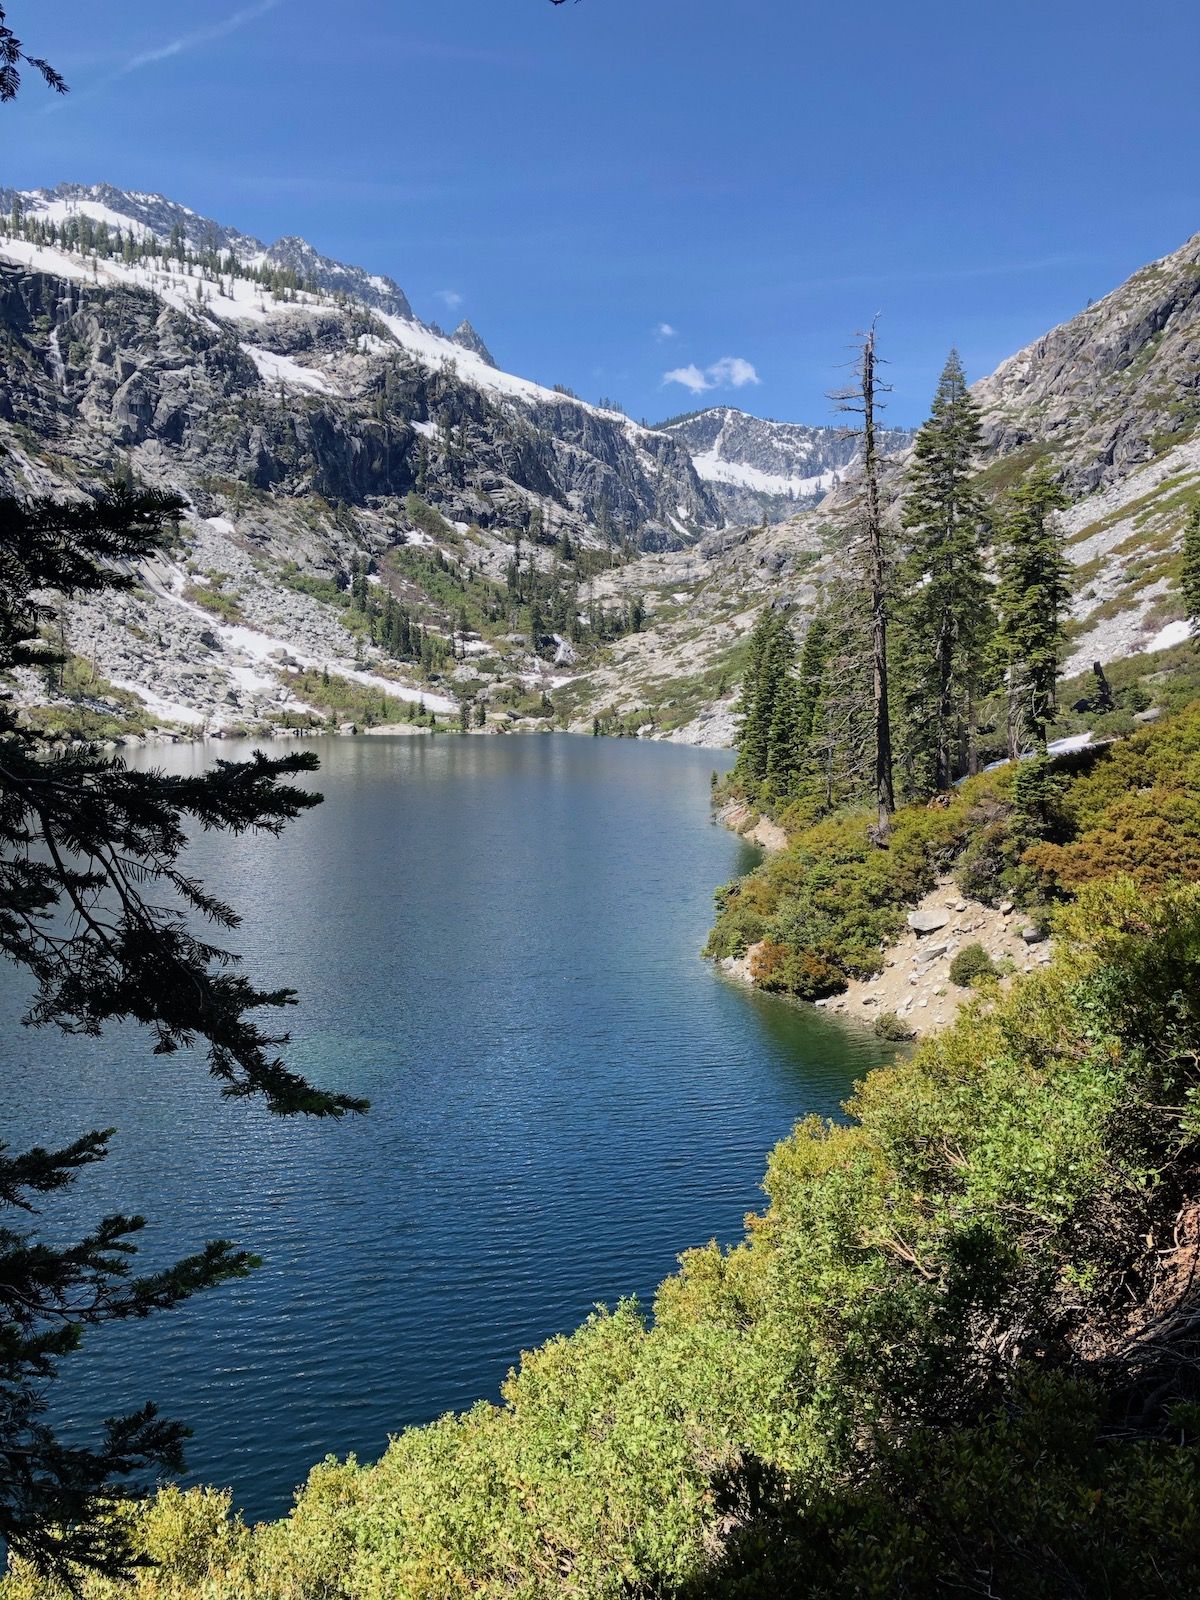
{"points": [[761, 468], [154, 214], [314, 428], [108, 238], [309, 323]]}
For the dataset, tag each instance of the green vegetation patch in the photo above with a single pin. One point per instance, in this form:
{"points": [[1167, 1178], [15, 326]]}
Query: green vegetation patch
{"points": [[825, 909], [96, 710], [348, 701], [912, 1376]]}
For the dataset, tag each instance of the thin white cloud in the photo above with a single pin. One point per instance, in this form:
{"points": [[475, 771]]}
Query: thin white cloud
{"points": [[164, 52], [730, 372], [199, 36], [450, 298], [665, 331]]}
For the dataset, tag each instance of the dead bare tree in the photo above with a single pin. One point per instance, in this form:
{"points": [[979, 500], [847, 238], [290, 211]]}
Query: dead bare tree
{"points": [[861, 398]]}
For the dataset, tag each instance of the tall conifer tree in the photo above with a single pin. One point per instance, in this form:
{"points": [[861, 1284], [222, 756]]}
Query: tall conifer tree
{"points": [[863, 398], [1189, 578], [943, 607], [769, 746], [1033, 594]]}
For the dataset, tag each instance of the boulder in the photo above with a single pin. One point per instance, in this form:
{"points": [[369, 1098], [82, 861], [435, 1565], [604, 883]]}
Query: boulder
{"points": [[927, 921]]}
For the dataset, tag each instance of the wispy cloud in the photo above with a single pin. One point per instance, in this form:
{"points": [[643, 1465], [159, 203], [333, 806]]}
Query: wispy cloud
{"points": [[199, 36], [450, 298], [665, 331], [178, 46], [730, 372]]}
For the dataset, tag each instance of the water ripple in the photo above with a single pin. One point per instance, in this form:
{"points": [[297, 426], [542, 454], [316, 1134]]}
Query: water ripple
{"points": [[497, 941]]}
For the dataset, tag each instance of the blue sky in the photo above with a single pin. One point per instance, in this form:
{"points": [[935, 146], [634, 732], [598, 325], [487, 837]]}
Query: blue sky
{"points": [[616, 190]]}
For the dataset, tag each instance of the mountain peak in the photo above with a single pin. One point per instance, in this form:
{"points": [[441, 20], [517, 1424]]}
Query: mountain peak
{"points": [[466, 336], [757, 467], [155, 213]]}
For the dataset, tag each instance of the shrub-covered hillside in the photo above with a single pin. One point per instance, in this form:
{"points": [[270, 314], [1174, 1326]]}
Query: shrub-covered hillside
{"points": [[956, 1354], [823, 910]]}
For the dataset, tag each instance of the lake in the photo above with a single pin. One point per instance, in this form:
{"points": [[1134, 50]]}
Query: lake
{"points": [[497, 940]]}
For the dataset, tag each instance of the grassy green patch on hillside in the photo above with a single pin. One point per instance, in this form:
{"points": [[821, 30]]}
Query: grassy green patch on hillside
{"points": [[94, 709], [347, 701]]}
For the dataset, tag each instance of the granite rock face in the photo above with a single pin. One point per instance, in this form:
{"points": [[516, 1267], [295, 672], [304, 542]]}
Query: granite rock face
{"points": [[1112, 388], [761, 469]]}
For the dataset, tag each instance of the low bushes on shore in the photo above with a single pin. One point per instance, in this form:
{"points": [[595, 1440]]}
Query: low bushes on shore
{"points": [[954, 1354]]}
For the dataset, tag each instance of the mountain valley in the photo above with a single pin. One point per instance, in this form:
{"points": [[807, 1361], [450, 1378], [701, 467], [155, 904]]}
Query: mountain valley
{"points": [[382, 526]]}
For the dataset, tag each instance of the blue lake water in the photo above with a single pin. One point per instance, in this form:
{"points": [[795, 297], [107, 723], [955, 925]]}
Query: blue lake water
{"points": [[497, 941]]}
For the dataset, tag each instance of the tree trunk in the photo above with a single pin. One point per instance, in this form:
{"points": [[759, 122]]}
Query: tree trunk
{"points": [[884, 787], [945, 710]]}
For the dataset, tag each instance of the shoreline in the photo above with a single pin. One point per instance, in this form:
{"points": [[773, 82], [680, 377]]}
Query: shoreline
{"points": [[914, 983]]}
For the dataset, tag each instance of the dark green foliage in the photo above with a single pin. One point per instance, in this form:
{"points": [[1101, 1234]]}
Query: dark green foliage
{"points": [[95, 905], [11, 58], [943, 611], [771, 741], [1189, 572], [971, 962], [1033, 596], [1037, 798], [889, 1026]]}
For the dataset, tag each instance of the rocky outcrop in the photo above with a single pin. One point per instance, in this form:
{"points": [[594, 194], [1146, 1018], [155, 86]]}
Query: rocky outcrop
{"points": [[1112, 388], [294, 406], [466, 336], [757, 468]]}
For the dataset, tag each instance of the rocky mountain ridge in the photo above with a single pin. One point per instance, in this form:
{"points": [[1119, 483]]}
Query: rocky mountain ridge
{"points": [[314, 435], [1114, 388], [760, 469], [312, 430], [1111, 398], [156, 214]]}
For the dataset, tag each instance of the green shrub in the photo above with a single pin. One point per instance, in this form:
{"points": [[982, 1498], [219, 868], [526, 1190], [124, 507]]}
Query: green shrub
{"points": [[888, 1025], [971, 962], [1031, 833], [889, 1387]]}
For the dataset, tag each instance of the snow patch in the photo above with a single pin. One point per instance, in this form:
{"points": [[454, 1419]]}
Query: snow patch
{"points": [[1174, 633], [715, 469], [282, 369]]}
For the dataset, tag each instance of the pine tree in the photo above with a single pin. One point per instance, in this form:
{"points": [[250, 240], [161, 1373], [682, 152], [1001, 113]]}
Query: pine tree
{"points": [[943, 595], [1033, 595], [1189, 577], [769, 741], [754, 720], [786, 741], [812, 666], [95, 905], [862, 398], [837, 676]]}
